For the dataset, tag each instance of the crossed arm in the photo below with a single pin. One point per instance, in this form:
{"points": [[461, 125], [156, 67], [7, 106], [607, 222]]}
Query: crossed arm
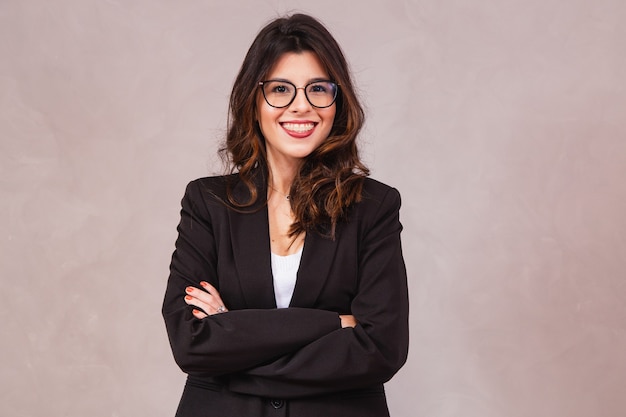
{"points": [[208, 302], [290, 352]]}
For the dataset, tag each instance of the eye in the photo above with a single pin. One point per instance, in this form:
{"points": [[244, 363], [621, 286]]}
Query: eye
{"points": [[322, 89], [319, 88], [278, 88]]}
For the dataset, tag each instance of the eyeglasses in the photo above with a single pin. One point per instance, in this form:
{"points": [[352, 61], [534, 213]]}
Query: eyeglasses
{"points": [[281, 93]]}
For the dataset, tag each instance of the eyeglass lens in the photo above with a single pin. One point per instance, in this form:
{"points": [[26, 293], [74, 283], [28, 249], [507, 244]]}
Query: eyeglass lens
{"points": [[282, 93]]}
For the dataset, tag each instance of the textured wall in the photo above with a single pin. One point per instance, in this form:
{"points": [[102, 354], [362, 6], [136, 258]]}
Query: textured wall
{"points": [[501, 122]]}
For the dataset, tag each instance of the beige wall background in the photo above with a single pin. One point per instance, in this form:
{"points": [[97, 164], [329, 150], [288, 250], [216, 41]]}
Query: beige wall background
{"points": [[501, 122]]}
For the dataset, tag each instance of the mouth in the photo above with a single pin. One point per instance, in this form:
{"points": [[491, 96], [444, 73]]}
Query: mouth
{"points": [[298, 128]]}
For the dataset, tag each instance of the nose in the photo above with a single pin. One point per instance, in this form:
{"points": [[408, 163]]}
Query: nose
{"points": [[300, 103]]}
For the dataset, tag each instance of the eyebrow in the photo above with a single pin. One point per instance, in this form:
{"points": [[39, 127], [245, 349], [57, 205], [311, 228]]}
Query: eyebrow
{"points": [[311, 80]]}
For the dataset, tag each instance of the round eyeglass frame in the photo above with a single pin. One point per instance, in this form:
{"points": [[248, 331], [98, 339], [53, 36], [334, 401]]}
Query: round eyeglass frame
{"points": [[261, 83]]}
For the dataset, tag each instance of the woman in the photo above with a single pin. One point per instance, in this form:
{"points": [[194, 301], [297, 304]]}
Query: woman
{"points": [[287, 294]]}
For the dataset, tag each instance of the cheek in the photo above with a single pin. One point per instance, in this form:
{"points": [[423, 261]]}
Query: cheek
{"points": [[266, 113], [331, 112], [267, 118], [262, 111], [329, 117]]}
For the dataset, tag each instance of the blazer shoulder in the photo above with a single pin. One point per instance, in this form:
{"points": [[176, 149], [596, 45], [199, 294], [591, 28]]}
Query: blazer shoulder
{"points": [[377, 192], [378, 201], [214, 184], [210, 189]]}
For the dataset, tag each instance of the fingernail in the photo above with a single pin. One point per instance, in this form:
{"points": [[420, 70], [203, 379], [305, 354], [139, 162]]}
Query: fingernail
{"points": [[196, 311], [188, 297], [189, 289], [204, 283]]}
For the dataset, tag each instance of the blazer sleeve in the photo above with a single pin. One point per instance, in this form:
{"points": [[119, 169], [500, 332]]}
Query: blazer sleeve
{"points": [[229, 342], [368, 354]]}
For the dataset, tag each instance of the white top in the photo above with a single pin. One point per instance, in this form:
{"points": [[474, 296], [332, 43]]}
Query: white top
{"points": [[285, 270]]}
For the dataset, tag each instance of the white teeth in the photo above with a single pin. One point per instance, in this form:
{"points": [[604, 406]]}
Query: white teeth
{"points": [[299, 127]]}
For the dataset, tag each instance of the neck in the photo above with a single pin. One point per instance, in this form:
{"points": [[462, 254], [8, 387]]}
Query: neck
{"points": [[281, 177]]}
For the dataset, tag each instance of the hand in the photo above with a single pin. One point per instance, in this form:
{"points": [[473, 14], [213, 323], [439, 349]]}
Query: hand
{"points": [[347, 320], [207, 299]]}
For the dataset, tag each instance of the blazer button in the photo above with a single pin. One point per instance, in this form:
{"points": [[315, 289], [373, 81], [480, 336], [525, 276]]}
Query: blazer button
{"points": [[277, 403]]}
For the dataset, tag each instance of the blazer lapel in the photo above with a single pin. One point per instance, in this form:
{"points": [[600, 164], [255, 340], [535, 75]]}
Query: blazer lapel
{"points": [[251, 250], [317, 257]]}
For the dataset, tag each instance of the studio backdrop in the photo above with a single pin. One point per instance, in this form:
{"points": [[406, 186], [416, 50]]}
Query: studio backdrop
{"points": [[501, 123]]}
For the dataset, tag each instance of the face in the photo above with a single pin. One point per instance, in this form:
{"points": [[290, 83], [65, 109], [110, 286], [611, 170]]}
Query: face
{"points": [[293, 132]]}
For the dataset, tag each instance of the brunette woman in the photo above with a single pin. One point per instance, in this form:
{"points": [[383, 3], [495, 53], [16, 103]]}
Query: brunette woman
{"points": [[287, 294]]}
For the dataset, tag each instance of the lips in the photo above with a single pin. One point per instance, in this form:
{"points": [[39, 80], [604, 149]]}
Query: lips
{"points": [[298, 128]]}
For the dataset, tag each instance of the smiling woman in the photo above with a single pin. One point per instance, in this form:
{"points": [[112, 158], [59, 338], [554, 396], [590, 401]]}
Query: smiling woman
{"points": [[293, 130], [287, 292]]}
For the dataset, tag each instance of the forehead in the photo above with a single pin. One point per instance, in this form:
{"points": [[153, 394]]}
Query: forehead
{"points": [[298, 67]]}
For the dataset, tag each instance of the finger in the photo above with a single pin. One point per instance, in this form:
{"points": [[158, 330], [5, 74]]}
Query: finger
{"points": [[348, 320], [210, 288], [216, 296], [208, 302], [206, 308], [195, 302], [201, 295], [199, 314]]}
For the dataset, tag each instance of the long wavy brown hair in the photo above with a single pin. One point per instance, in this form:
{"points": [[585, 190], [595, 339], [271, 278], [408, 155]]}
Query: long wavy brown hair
{"points": [[330, 179]]}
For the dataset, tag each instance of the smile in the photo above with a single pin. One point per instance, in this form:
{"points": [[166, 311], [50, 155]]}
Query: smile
{"points": [[298, 127]]}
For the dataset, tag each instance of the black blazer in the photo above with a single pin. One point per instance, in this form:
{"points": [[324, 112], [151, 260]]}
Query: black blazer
{"points": [[257, 359]]}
